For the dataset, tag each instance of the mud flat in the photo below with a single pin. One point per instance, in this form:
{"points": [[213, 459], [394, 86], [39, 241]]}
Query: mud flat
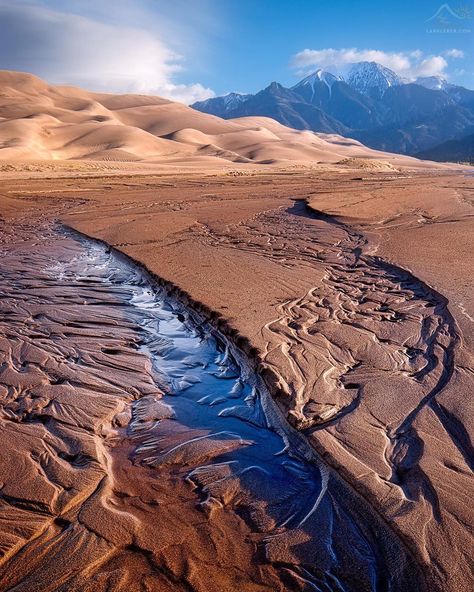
{"points": [[142, 450], [352, 299]]}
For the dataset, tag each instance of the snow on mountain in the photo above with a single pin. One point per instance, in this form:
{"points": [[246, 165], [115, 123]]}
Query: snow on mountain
{"points": [[220, 106], [433, 82], [409, 118], [372, 79], [315, 78], [233, 99]]}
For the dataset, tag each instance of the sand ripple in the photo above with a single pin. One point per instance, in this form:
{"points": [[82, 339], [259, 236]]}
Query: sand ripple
{"points": [[139, 451]]}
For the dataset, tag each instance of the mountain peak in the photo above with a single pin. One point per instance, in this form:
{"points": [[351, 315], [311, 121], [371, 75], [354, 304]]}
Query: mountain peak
{"points": [[274, 85], [372, 79], [221, 105], [319, 75], [276, 89], [233, 99]]}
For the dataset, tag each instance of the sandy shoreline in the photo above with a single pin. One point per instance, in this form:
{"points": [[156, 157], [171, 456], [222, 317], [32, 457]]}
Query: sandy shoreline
{"points": [[250, 254]]}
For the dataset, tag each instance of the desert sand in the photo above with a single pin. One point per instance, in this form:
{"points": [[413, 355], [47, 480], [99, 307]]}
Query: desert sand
{"points": [[42, 122], [343, 280]]}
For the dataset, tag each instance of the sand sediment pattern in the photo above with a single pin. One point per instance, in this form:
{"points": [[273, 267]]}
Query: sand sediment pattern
{"points": [[140, 452], [367, 364]]}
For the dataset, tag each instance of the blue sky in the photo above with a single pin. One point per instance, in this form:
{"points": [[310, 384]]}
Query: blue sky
{"points": [[263, 36], [190, 49]]}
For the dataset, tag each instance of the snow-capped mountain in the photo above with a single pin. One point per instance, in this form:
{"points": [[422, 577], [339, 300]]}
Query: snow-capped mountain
{"points": [[220, 106], [232, 100], [433, 82], [372, 104], [372, 79], [335, 97], [312, 82]]}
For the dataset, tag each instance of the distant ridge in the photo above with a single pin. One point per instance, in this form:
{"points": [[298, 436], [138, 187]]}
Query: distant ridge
{"points": [[461, 150], [372, 104]]}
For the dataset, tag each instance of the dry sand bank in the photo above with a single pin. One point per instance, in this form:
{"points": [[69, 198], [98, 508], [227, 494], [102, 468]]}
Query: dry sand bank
{"points": [[359, 306]]}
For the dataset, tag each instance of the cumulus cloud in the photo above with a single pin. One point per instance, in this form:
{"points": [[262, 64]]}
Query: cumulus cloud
{"points": [[409, 64], [454, 53], [69, 48], [325, 58], [433, 66]]}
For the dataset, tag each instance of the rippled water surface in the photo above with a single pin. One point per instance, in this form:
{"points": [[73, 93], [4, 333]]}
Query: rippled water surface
{"points": [[206, 391]]}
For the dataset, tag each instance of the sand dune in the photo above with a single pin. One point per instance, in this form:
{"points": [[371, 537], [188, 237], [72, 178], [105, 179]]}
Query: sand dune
{"points": [[43, 122]]}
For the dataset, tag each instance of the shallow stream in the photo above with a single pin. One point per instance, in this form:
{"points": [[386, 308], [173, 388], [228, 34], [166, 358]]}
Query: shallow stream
{"points": [[216, 427]]}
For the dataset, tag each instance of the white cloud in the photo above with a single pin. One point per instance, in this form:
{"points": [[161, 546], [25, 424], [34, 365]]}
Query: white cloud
{"points": [[454, 53], [409, 64], [433, 66], [184, 93], [326, 58], [69, 48]]}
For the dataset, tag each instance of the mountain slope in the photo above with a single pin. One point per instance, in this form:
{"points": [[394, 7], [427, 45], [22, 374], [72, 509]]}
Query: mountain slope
{"points": [[412, 102], [372, 79], [461, 150], [339, 100], [280, 103], [420, 134], [288, 108], [373, 105]]}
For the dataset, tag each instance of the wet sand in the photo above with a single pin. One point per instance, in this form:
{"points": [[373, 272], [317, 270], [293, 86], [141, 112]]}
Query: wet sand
{"points": [[370, 362], [146, 452]]}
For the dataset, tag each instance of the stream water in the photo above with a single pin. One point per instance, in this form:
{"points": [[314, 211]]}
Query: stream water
{"points": [[217, 428]]}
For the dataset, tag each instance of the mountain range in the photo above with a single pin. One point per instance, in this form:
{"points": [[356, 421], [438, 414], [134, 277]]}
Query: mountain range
{"points": [[371, 104]]}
